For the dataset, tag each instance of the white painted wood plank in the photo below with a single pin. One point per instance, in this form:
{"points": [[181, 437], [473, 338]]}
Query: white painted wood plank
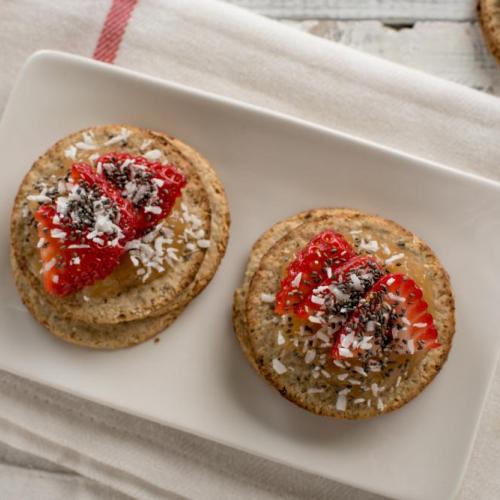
{"points": [[454, 51], [404, 11]]}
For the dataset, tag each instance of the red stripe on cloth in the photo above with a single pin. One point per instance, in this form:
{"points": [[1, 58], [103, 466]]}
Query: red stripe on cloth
{"points": [[113, 30]]}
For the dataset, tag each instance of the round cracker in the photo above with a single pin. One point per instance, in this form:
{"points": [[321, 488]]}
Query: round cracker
{"points": [[254, 320], [489, 18], [158, 296], [130, 333], [133, 332]]}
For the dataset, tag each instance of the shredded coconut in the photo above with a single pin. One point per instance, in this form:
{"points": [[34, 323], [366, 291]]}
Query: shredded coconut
{"points": [[369, 246], [268, 298], [394, 258], [153, 155], [70, 152], [279, 367], [296, 281], [341, 403], [122, 136]]}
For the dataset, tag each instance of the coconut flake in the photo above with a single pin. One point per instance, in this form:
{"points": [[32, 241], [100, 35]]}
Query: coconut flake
{"points": [[146, 143], [346, 353], [49, 265], [296, 281], [396, 298], [360, 370], [314, 390], [84, 146], [279, 367], [340, 296], [346, 340], [394, 258], [341, 403], [75, 247], [317, 300], [203, 243], [58, 234], [88, 137], [321, 335], [356, 282], [280, 339], [310, 355], [153, 210], [122, 136], [369, 246], [153, 155], [70, 152], [40, 198], [268, 298], [411, 346], [315, 319]]}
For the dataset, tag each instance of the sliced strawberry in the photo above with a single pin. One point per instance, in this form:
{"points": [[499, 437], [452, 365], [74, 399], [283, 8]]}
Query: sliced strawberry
{"points": [[338, 295], [83, 232], [392, 318], [312, 265], [151, 187], [96, 185]]}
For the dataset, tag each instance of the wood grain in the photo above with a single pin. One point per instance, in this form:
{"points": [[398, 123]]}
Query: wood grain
{"points": [[403, 11], [454, 51], [441, 37]]}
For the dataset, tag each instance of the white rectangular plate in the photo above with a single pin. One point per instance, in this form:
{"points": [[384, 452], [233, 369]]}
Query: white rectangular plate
{"points": [[272, 166]]}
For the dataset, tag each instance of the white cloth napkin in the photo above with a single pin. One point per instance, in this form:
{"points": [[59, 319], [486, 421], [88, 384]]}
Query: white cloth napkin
{"points": [[222, 49]]}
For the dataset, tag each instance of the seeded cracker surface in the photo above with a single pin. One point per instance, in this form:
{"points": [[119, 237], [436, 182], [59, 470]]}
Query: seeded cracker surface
{"points": [[259, 332], [140, 312]]}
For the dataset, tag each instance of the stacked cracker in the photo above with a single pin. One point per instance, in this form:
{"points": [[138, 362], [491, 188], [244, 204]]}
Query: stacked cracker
{"points": [[278, 353], [489, 18], [127, 315]]}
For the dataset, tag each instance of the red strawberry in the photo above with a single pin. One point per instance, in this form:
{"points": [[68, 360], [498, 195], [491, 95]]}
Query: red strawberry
{"points": [[392, 317], [97, 186], [312, 265], [338, 295], [151, 187], [82, 234]]}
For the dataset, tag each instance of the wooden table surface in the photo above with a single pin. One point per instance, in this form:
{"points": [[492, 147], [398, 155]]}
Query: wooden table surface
{"points": [[441, 37]]}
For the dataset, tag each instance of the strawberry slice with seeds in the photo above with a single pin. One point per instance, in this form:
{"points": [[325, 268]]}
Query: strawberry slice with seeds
{"points": [[337, 296], [151, 187], [100, 199], [393, 317], [312, 265], [83, 232]]}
